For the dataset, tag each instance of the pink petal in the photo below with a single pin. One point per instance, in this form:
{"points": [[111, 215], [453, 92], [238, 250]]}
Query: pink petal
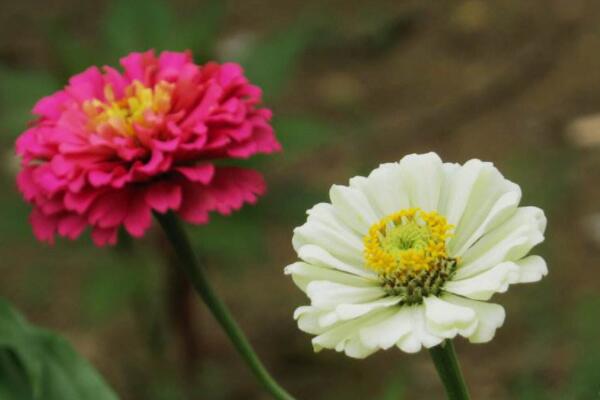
{"points": [[51, 106], [196, 205], [139, 217], [110, 210], [71, 226], [44, 226], [87, 85], [201, 173], [102, 237], [163, 196], [26, 184]]}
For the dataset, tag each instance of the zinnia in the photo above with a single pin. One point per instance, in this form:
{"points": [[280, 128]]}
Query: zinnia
{"points": [[409, 256], [112, 147]]}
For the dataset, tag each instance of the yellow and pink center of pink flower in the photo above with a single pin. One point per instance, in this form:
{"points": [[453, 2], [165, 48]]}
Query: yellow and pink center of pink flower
{"points": [[135, 107]]}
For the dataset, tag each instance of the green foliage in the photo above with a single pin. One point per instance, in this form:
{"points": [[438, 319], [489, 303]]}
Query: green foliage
{"points": [[36, 364], [13, 383]]}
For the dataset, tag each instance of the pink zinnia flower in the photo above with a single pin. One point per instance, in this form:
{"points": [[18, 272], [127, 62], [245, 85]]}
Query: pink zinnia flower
{"points": [[112, 147]]}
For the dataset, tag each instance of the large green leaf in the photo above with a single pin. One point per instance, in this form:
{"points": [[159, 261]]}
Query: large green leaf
{"points": [[36, 364]]}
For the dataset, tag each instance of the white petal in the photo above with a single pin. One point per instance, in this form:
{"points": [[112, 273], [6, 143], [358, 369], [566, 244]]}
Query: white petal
{"points": [[328, 319], [419, 335], [422, 175], [353, 207], [303, 273], [508, 242], [478, 199], [345, 336], [356, 349], [308, 319], [313, 320], [384, 187], [531, 269], [482, 286], [388, 332], [325, 295], [448, 320], [489, 316], [324, 229], [458, 187], [449, 170], [316, 255], [350, 311]]}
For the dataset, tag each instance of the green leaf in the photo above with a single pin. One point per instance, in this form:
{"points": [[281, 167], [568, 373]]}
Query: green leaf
{"points": [[13, 383], [36, 364], [19, 91]]}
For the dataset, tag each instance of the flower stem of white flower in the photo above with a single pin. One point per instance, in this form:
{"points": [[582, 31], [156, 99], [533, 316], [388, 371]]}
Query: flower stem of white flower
{"points": [[446, 364], [189, 264]]}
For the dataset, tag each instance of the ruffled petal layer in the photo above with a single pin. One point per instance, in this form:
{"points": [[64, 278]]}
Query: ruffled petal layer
{"points": [[81, 169]]}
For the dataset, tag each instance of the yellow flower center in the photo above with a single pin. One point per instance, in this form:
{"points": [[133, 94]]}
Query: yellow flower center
{"points": [[137, 104], [408, 251]]}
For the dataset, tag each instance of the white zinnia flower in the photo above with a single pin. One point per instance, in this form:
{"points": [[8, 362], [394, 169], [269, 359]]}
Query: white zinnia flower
{"points": [[409, 255]]}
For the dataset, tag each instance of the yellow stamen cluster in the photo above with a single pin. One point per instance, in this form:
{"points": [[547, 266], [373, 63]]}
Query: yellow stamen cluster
{"points": [[120, 115], [407, 242]]}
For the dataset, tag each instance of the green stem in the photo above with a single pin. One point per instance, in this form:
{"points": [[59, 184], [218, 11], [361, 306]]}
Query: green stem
{"points": [[189, 263], [446, 364]]}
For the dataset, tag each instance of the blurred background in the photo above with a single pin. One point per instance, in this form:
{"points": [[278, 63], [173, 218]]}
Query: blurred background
{"points": [[352, 84]]}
